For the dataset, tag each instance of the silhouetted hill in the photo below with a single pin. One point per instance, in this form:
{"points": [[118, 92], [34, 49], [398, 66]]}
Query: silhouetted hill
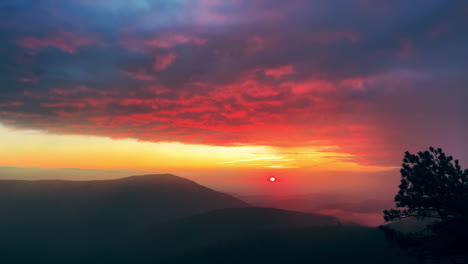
{"points": [[347, 209], [333, 244], [158, 218], [72, 213], [306, 205], [258, 218], [221, 225]]}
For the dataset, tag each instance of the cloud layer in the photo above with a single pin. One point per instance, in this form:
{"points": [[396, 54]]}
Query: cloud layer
{"points": [[374, 78]]}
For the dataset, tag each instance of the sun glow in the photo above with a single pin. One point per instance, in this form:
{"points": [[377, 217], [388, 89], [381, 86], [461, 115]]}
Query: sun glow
{"points": [[41, 149]]}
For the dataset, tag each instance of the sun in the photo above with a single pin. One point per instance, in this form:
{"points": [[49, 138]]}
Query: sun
{"points": [[272, 179]]}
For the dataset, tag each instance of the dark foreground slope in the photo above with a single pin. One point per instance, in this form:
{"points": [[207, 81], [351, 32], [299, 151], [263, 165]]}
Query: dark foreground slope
{"points": [[254, 235], [176, 238], [327, 245]]}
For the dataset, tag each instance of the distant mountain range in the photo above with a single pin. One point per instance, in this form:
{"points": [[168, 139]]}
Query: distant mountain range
{"points": [[154, 219], [346, 208]]}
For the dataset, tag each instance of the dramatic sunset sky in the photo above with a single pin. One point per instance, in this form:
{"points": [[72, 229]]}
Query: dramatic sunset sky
{"points": [[324, 94]]}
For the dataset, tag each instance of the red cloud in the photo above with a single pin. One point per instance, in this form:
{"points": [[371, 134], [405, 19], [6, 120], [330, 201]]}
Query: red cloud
{"points": [[140, 75], [68, 92], [280, 71], [11, 103], [164, 41], [310, 86], [236, 72], [247, 111], [164, 61], [64, 104], [28, 79], [65, 41], [171, 40]]}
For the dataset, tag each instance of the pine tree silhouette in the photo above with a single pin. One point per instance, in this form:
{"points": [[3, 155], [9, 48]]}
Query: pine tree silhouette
{"points": [[433, 186]]}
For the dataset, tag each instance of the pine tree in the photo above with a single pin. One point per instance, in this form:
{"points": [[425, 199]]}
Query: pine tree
{"points": [[433, 186]]}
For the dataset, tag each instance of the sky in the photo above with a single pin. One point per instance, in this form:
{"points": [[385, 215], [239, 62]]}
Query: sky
{"points": [[326, 95]]}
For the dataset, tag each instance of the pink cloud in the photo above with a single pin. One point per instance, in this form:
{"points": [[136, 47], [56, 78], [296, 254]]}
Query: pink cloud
{"points": [[171, 40], [12, 103], [328, 37], [312, 85], [356, 83], [280, 71], [164, 41], [255, 43], [28, 79], [164, 61], [206, 12], [139, 75], [64, 104], [67, 92], [65, 41]]}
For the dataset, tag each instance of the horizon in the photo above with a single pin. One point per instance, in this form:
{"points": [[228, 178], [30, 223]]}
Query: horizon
{"points": [[272, 197]]}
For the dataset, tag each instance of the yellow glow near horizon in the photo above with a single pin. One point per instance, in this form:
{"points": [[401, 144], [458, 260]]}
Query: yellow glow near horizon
{"points": [[26, 148]]}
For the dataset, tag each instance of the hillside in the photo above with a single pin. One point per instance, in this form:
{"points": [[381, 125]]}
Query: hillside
{"points": [[208, 229], [48, 211], [347, 209], [164, 218], [333, 244]]}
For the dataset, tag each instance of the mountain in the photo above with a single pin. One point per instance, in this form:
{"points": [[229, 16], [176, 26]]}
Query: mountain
{"points": [[73, 213], [208, 229], [306, 205], [347, 209], [156, 197], [331, 244], [164, 218]]}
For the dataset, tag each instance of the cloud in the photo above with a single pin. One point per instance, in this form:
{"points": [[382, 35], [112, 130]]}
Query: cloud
{"points": [[65, 41], [333, 36], [164, 61], [28, 79], [10, 104], [278, 73], [171, 40], [164, 41], [140, 75]]}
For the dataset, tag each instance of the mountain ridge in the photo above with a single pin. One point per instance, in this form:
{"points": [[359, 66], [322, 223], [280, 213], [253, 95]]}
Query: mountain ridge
{"points": [[100, 207]]}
